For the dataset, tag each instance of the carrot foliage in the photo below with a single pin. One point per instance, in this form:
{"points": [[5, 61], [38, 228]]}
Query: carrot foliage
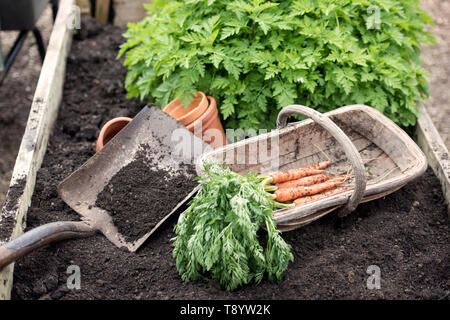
{"points": [[217, 236]]}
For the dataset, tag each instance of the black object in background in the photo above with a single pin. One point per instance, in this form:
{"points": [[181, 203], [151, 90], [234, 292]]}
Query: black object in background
{"points": [[22, 15]]}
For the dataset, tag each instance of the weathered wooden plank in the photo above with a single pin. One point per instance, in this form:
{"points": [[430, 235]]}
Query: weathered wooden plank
{"points": [[102, 11], [42, 116], [433, 146]]}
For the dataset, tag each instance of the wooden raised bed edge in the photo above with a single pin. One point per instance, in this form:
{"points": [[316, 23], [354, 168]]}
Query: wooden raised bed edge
{"points": [[43, 112], [431, 143]]}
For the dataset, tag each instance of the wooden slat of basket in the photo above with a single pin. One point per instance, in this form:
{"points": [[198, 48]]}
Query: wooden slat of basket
{"points": [[300, 222]]}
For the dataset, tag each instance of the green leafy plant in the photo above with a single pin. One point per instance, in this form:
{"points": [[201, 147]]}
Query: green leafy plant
{"points": [[216, 237], [257, 56]]}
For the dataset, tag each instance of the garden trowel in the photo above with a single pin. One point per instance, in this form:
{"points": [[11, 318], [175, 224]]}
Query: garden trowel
{"points": [[166, 139]]}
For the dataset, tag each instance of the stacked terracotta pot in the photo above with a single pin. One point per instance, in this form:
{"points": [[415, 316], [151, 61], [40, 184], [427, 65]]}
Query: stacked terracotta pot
{"points": [[201, 113], [200, 117]]}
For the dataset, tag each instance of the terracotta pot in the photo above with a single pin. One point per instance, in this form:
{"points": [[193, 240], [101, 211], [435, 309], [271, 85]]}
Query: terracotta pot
{"points": [[188, 115], [110, 129], [212, 130], [211, 127]]}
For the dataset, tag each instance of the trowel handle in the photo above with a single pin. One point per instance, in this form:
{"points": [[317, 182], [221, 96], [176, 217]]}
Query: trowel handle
{"points": [[41, 236]]}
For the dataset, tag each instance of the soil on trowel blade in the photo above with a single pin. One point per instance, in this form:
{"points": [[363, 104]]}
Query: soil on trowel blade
{"points": [[141, 194], [405, 234]]}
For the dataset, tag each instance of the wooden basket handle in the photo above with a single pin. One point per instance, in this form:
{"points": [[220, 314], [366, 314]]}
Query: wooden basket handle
{"points": [[348, 146]]}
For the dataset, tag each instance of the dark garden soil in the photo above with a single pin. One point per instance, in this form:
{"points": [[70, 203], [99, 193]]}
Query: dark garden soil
{"points": [[405, 234], [151, 193]]}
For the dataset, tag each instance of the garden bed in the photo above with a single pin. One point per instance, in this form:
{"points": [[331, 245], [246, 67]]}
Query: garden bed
{"points": [[405, 234]]}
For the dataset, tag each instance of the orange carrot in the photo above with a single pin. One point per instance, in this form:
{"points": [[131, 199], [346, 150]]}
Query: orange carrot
{"points": [[307, 199], [320, 165], [294, 193], [306, 181], [282, 176]]}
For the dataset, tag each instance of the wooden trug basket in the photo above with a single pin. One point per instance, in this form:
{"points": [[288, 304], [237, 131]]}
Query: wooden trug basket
{"points": [[358, 139]]}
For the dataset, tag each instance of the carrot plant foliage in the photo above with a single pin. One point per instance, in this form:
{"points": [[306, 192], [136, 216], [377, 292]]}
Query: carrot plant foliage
{"points": [[216, 237], [257, 56]]}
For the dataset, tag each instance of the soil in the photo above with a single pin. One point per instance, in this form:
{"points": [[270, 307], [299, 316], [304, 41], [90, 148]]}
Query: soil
{"points": [[139, 196], [405, 234], [436, 60]]}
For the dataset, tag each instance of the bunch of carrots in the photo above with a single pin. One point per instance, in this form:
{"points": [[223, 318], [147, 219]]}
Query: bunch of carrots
{"points": [[304, 185]]}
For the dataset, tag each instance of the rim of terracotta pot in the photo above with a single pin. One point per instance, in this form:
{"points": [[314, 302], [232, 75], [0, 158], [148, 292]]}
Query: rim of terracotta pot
{"points": [[209, 116], [119, 122], [195, 110]]}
